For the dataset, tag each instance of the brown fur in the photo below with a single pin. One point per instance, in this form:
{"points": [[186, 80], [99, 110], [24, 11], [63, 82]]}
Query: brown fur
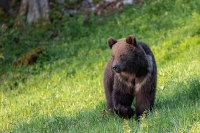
{"points": [[131, 72]]}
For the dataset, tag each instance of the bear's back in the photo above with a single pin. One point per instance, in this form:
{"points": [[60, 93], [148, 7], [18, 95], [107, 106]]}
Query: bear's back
{"points": [[145, 47]]}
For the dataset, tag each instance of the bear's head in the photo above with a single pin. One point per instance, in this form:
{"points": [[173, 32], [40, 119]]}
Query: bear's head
{"points": [[126, 54]]}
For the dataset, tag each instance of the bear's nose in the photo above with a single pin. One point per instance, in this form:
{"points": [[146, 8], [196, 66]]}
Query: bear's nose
{"points": [[116, 68]]}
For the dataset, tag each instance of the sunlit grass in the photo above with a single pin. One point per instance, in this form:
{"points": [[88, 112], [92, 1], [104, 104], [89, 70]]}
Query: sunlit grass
{"points": [[63, 91]]}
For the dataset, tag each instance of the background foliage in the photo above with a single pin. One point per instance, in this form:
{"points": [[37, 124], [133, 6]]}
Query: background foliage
{"points": [[63, 91]]}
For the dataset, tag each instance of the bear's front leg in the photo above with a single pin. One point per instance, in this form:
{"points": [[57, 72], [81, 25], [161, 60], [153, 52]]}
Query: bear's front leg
{"points": [[122, 104]]}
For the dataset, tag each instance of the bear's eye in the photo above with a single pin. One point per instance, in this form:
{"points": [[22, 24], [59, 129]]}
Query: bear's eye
{"points": [[113, 56], [122, 56]]}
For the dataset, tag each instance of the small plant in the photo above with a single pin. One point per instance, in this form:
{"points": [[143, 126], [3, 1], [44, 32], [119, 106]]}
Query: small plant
{"points": [[107, 113], [1, 56], [126, 127]]}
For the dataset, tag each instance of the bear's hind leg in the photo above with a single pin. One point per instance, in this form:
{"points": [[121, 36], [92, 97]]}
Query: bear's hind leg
{"points": [[144, 102]]}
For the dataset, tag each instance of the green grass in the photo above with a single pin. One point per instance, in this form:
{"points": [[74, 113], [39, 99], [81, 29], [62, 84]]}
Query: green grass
{"points": [[63, 91]]}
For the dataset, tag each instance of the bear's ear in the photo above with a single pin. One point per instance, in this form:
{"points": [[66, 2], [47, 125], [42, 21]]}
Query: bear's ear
{"points": [[131, 40], [111, 42]]}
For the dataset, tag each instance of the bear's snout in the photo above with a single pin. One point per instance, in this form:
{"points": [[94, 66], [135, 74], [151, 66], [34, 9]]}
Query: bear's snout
{"points": [[116, 68]]}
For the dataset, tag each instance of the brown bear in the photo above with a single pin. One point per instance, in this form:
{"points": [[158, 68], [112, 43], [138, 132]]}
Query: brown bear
{"points": [[131, 72]]}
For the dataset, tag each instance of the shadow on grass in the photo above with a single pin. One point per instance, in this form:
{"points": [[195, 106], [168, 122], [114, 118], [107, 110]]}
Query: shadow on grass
{"points": [[184, 93], [86, 121]]}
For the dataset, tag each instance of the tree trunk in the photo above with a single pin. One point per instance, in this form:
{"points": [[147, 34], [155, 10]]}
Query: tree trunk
{"points": [[37, 9], [22, 11], [38, 13]]}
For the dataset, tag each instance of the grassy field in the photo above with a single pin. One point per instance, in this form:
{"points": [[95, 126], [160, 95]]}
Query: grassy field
{"points": [[63, 91]]}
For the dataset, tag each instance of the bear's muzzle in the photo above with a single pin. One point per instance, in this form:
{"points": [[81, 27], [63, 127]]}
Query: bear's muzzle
{"points": [[117, 68]]}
